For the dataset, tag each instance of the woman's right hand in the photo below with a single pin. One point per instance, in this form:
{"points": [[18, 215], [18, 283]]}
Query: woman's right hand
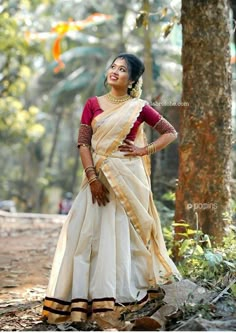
{"points": [[99, 193]]}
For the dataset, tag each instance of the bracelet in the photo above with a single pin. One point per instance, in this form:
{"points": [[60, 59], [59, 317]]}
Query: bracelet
{"points": [[89, 168], [90, 181], [83, 145], [91, 173], [151, 149]]}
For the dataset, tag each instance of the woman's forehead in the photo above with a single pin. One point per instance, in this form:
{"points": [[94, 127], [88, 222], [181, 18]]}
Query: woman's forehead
{"points": [[120, 62]]}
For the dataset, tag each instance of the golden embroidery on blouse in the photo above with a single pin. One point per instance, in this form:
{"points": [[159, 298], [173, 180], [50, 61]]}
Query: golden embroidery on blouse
{"points": [[163, 126], [85, 135]]}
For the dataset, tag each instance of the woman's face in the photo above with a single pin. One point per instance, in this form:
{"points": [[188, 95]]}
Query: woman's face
{"points": [[118, 75]]}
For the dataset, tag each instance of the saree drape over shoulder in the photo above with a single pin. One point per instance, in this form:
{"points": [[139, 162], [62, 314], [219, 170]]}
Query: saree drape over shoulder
{"points": [[110, 255]]}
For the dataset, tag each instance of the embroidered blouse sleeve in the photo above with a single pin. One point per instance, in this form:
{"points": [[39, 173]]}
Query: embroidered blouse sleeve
{"points": [[85, 130], [154, 119]]}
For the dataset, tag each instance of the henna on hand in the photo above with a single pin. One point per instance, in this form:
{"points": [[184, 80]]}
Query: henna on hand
{"points": [[132, 150], [99, 193]]}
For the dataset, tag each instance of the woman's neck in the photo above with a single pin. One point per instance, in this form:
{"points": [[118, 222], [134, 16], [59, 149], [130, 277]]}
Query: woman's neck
{"points": [[118, 93]]}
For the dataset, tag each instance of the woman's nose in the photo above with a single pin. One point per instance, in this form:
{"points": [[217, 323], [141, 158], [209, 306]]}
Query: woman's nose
{"points": [[114, 70]]}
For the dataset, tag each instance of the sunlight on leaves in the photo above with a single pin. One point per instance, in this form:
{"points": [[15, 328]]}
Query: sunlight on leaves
{"points": [[166, 29], [164, 12]]}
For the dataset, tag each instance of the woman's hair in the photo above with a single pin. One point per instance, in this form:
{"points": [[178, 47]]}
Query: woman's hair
{"points": [[135, 67]]}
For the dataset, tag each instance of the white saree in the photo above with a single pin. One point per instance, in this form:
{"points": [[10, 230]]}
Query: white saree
{"points": [[113, 254]]}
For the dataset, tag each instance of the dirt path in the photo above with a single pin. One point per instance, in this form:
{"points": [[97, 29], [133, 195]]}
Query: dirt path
{"points": [[27, 246]]}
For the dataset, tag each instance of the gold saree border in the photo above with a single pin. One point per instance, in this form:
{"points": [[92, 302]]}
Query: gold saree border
{"points": [[122, 134], [57, 310], [153, 212], [125, 202], [149, 241]]}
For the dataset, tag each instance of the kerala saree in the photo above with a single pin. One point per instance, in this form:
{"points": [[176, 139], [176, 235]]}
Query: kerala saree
{"points": [[110, 255]]}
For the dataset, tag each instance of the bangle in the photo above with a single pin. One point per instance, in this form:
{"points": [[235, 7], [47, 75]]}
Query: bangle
{"points": [[83, 145], [89, 168], [151, 148], [90, 181], [91, 173]]}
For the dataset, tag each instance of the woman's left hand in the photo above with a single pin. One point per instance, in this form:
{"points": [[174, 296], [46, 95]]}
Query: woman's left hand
{"points": [[132, 150]]}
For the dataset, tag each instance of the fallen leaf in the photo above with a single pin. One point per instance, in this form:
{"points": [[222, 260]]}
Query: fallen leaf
{"points": [[109, 320], [147, 324], [127, 326], [146, 310]]}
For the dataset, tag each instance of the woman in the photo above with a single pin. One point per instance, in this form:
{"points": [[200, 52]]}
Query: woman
{"points": [[111, 250]]}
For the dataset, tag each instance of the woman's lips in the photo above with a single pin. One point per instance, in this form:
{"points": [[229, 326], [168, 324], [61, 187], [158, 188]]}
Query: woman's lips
{"points": [[113, 77]]}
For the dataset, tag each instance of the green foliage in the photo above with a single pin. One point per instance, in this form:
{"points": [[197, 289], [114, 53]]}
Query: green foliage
{"points": [[20, 127], [10, 39], [205, 310], [233, 289], [169, 196], [201, 261], [17, 122], [39, 108]]}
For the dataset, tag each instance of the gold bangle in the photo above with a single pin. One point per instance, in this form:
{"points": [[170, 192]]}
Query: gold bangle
{"points": [[83, 145], [90, 181], [151, 149], [91, 173], [89, 168]]}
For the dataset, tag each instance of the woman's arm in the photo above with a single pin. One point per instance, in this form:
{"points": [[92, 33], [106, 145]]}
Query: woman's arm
{"points": [[98, 190], [163, 127], [168, 134]]}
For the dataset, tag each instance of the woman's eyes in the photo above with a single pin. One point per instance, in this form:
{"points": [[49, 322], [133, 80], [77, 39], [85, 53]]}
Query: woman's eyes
{"points": [[122, 69]]}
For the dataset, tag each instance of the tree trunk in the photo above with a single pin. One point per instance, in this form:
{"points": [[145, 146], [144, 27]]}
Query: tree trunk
{"points": [[205, 124], [51, 155], [55, 137], [147, 76]]}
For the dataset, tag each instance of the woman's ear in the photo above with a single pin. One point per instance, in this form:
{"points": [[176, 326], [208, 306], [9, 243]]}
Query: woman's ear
{"points": [[130, 83]]}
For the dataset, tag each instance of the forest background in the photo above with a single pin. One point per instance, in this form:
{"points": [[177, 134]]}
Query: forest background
{"points": [[40, 106], [54, 55]]}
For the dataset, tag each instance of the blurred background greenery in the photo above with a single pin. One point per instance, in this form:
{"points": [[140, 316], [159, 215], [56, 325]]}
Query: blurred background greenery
{"points": [[41, 105]]}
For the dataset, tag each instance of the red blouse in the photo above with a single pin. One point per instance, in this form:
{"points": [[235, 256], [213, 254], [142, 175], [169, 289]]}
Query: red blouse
{"points": [[148, 114]]}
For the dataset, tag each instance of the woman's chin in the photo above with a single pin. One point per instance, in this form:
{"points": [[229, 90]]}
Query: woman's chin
{"points": [[112, 84]]}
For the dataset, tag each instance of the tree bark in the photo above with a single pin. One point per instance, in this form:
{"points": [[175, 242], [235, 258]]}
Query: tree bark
{"points": [[51, 155], [148, 77], [205, 136]]}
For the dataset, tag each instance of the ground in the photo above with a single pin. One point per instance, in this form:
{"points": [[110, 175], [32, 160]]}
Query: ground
{"points": [[27, 246]]}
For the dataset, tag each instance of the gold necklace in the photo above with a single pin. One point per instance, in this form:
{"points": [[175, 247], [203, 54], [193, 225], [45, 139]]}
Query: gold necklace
{"points": [[117, 99]]}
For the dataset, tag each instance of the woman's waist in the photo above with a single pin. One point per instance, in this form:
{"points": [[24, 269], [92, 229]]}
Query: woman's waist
{"points": [[114, 154]]}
